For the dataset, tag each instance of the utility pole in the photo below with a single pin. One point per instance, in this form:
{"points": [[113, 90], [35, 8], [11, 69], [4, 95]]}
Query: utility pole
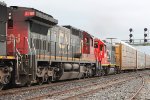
{"points": [[111, 39]]}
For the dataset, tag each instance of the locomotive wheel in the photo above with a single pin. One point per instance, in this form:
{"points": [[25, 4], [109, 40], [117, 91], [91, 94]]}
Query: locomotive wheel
{"points": [[28, 84], [6, 79], [1, 86], [47, 79], [84, 76], [40, 80]]}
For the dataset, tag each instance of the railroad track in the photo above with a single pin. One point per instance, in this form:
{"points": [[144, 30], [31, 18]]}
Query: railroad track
{"points": [[72, 94], [138, 90], [24, 89], [104, 86], [68, 91], [62, 87]]}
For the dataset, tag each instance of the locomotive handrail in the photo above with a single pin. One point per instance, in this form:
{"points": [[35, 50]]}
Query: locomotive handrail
{"points": [[33, 46], [17, 55], [28, 45]]}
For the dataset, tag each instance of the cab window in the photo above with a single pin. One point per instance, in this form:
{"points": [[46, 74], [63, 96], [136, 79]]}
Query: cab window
{"points": [[101, 47], [95, 45]]}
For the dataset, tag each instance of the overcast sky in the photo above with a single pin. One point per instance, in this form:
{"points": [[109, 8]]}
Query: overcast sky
{"points": [[102, 18]]}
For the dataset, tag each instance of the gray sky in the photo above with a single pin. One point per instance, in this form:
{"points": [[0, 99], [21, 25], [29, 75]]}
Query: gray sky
{"points": [[102, 18]]}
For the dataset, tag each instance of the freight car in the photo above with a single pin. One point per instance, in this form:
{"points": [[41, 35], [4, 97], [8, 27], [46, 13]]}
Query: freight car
{"points": [[129, 58]]}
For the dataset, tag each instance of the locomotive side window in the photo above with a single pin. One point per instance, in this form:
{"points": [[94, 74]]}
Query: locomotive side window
{"points": [[91, 42], [37, 28], [101, 47], [49, 46], [37, 43], [31, 45], [86, 40], [34, 41], [105, 48], [44, 45], [53, 37], [10, 24], [40, 43], [95, 45]]}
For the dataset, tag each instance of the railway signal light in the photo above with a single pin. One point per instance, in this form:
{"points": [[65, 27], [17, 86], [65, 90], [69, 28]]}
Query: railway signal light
{"points": [[130, 30], [130, 40], [130, 35], [145, 29], [145, 40], [145, 35]]}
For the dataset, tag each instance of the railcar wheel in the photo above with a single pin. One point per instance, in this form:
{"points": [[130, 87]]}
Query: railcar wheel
{"points": [[28, 84]]}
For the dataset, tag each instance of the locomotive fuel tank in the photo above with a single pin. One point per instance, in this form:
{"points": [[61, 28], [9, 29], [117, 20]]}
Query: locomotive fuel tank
{"points": [[67, 67], [75, 67]]}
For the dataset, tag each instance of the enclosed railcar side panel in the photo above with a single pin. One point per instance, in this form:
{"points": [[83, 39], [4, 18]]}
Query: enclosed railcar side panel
{"points": [[125, 57], [140, 60], [147, 61], [118, 55]]}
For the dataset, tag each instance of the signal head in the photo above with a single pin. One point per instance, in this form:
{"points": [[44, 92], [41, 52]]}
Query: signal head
{"points": [[145, 35], [130, 40], [130, 35], [130, 29], [145, 29], [145, 40]]}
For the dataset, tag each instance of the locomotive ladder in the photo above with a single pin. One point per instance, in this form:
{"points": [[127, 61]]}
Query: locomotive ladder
{"points": [[32, 61], [18, 62], [20, 65]]}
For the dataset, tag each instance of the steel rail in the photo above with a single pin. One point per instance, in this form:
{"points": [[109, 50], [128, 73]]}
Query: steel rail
{"points": [[37, 87], [102, 85], [137, 92]]}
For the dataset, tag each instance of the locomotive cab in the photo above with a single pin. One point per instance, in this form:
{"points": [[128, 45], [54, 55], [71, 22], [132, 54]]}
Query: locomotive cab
{"points": [[109, 61]]}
